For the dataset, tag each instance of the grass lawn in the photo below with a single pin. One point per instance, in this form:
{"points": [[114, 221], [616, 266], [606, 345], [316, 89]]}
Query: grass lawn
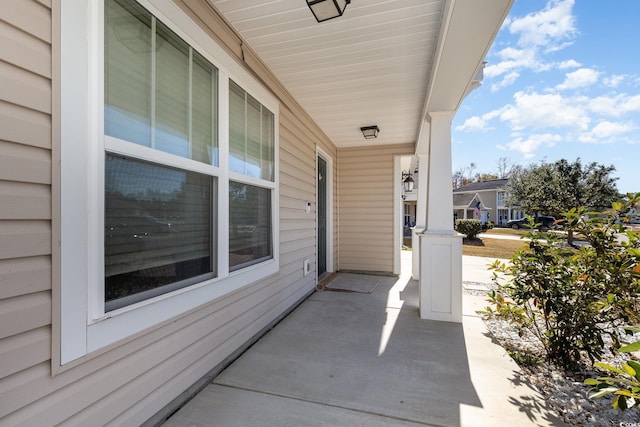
{"points": [[507, 231], [494, 248]]}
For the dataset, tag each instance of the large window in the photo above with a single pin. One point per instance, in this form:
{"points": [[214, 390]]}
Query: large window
{"points": [[168, 194], [251, 142], [160, 221]]}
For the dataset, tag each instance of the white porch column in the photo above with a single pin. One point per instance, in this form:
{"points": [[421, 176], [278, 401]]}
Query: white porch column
{"points": [[440, 245], [421, 214]]}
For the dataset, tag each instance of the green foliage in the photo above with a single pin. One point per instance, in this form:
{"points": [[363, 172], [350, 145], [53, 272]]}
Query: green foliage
{"points": [[469, 227], [553, 188], [568, 299], [624, 383], [487, 226], [523, 358]]}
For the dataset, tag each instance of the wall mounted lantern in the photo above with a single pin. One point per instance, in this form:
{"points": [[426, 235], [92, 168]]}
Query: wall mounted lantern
{"points": [[323, 10], [407, 182], [370, 132]]}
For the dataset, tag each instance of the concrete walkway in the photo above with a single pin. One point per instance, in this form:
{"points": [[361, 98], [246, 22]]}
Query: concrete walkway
{"points": [[353, 359]]}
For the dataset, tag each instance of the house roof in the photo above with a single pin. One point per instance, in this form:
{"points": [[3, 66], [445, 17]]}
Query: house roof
{"points": [[467, 200], [493, 184], [384, 62]]}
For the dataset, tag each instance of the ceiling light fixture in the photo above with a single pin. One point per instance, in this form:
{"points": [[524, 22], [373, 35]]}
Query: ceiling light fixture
{"points": [[323, 10], [370, 132]]}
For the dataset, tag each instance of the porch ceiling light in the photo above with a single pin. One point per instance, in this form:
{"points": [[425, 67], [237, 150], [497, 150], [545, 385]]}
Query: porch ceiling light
{"points": [[370, 132], [323, 10]]}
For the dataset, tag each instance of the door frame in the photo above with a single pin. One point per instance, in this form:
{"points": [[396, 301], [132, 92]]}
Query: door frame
{"points": [[329, 214]]}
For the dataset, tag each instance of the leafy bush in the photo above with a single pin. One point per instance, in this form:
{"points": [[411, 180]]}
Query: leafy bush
{"points": [[469, 227], [487, 225], [568, 299], [625, 383]]}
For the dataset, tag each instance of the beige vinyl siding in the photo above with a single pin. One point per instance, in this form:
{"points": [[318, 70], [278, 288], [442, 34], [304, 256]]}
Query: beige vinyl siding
{"points": [[130, 381], [25, 192], [366, 207]]}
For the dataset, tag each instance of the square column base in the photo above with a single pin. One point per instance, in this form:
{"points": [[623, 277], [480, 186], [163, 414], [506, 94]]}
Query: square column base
{"points": [[441, 276], [415, 252]]}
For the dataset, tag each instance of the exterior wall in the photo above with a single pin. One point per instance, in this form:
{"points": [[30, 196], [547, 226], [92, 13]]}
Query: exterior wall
{"points": [[366, 180], [25, 199], [490, 200], [130, 381]]}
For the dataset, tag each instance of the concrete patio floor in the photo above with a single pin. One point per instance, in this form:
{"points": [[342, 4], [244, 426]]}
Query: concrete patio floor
{"points": [[354, 359]]}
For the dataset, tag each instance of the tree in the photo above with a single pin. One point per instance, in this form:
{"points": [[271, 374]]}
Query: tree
{"points": [[553, 188], [504, 167], [463, 175]]}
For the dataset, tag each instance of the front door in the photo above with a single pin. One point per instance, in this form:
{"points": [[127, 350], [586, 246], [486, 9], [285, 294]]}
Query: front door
{"points": [[322, 216]]}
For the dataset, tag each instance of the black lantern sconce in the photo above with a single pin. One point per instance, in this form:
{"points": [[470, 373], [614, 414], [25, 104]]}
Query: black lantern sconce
{"points": [[407, 182], [370, 132], [323, 10]]}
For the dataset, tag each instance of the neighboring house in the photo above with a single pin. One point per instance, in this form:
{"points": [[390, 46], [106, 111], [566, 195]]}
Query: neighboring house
{"points": [[177, 175], [493, 197], [470, 206]]}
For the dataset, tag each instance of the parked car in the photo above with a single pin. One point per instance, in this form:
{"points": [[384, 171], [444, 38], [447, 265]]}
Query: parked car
{"points": [[546, 222]]}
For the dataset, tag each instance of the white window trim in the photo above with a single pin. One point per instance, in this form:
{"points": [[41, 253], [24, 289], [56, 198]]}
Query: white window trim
{"points": [[84, 325]]}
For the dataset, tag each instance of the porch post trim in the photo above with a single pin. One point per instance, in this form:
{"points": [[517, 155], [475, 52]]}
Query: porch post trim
{"points": [[440, 245]]}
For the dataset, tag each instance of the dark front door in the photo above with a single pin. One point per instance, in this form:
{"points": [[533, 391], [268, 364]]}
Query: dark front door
{"points": [[322, 216]]}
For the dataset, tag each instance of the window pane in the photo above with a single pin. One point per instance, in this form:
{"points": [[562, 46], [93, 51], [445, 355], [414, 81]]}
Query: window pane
{"points": [[156, 80], [267, 144], [249, 225], [237, 120], [159, 230], [204, 111], [251, 135], [172, 93], [127, 71], [254, 135]]}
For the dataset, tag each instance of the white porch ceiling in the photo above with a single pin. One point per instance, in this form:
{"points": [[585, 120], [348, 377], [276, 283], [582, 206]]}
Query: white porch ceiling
{"points": [[372, 66]]}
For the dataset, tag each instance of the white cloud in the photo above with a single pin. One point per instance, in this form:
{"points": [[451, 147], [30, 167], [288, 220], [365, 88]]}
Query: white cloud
{"points": [[474, 123], [477, 123], [579, 78], [508, 80], [606, 132], [552, 28], [547, 30], [613, 106], [528, 147], [630, 104], [539, 111], [614, 80], [569, 63]]}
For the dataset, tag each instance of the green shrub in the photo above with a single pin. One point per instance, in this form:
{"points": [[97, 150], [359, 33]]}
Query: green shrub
{"points": [[568, 299], [624, 382], [469, 227]]}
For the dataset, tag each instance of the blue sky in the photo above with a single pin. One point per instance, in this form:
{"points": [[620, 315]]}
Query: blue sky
{"points": [[562, 80]]}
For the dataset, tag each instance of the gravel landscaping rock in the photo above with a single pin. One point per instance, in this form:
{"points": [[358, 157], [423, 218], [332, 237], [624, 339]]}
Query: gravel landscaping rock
{"points": [[564, 391]]}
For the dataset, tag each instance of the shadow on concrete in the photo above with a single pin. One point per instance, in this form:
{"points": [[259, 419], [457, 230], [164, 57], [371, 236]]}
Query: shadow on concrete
{"points": [[368, 360], [355, 351]]}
